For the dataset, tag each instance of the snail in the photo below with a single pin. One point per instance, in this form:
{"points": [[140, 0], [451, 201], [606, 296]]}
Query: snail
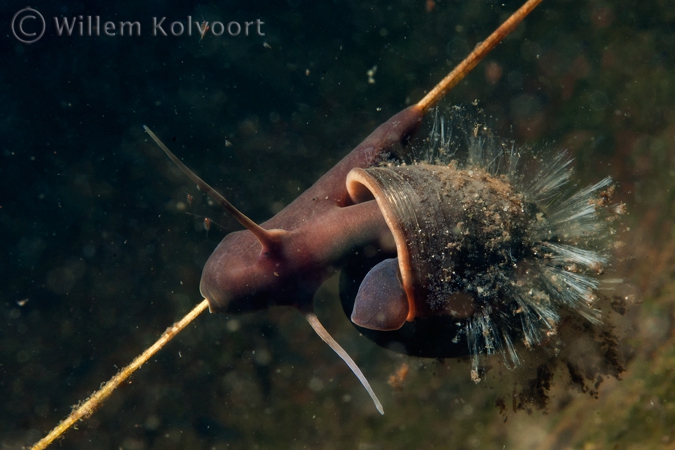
{"points": [[477, 254]]}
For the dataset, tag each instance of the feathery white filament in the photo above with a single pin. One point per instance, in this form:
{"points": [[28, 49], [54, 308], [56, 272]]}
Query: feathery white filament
{"points": [[557, 258]]}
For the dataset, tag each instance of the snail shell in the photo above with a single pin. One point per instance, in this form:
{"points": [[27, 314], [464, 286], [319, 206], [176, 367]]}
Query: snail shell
{"points": [[453, 230], [485, 255]]}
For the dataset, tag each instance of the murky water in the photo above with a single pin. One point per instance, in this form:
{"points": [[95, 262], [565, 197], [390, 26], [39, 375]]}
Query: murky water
{"points": [[99, 255]]}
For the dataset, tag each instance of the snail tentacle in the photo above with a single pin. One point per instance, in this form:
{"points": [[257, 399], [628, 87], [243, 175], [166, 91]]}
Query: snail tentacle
{"points": [[314, 322]]}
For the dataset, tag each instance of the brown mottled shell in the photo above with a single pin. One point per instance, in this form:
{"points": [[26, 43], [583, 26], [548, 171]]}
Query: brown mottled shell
{"points": [[450, 225]]}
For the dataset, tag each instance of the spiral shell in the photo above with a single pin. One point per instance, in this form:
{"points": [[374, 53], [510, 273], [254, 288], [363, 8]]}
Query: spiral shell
{"points": [[455, 232], [500, 253]]}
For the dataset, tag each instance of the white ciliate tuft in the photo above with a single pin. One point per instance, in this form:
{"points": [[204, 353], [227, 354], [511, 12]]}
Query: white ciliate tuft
{"points": [[555, 265]]}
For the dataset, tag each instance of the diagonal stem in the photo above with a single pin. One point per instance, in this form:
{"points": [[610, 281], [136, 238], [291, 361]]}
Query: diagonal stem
{"points": [[476, 56], [87, 408]]}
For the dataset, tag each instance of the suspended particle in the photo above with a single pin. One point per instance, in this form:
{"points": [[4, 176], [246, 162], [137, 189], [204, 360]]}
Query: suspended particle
{"points": [[371, 75], [396, 379], [203, 28]]}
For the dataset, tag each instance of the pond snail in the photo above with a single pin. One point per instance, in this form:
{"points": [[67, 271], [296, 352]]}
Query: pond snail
{"points": [[439, 258], [489, 251]]}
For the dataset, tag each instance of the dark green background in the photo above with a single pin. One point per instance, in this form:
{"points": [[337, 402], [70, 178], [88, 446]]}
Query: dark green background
{"points": [[92, 234]]}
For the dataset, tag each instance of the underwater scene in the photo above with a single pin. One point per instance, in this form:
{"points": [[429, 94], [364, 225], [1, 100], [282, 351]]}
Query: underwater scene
{"points": [[568, 343]]}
